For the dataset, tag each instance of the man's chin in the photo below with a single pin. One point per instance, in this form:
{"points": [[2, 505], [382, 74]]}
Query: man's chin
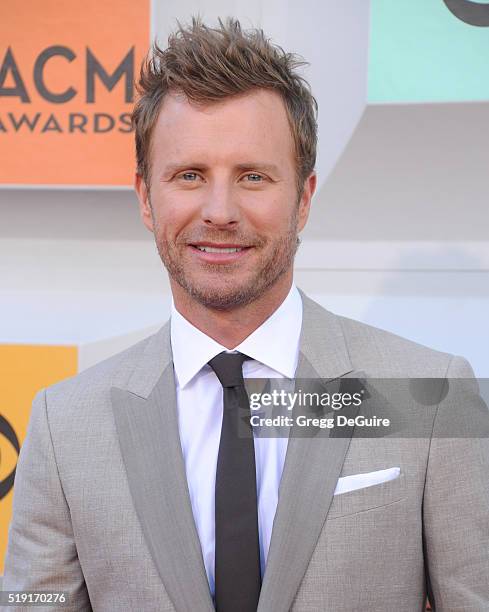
{"points": [[223, 298]]}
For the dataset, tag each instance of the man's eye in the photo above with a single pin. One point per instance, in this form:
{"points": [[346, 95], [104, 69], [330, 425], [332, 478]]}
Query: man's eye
{"points": [[254, 178], [189, 176]]}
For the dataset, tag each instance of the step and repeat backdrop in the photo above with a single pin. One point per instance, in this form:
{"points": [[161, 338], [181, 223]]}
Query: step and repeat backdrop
{"points": [[414, 68], [67, 72], [67, 88]]}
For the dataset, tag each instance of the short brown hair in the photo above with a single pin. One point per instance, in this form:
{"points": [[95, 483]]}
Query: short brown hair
{"points": [[210, 64]]}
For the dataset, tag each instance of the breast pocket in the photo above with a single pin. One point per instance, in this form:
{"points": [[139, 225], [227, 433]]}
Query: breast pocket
{"points": [[367, 497]]}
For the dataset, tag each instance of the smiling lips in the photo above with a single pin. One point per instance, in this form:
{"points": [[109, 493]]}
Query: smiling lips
{"points": [[219, 253], [207, 249]]}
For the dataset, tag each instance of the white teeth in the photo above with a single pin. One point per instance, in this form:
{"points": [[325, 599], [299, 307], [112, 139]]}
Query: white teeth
{"points": [[207, 249]]}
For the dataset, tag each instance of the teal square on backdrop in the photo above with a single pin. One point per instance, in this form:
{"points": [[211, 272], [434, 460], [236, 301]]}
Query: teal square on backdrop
{"points": [[421, 52]]}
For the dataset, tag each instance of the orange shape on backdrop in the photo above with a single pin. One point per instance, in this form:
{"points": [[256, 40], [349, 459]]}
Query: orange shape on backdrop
{"points": [[66, 90], [25, 370]]}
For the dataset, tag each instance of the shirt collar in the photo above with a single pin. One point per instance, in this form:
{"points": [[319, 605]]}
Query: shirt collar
{"points": [[275, 343]]}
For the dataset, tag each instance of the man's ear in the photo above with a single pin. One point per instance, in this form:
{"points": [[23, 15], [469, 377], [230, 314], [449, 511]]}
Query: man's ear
{"points": [[305, 201], [144, 204]]}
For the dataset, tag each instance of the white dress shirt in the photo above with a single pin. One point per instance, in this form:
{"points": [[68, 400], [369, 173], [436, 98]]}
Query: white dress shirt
{"points": [[274, 349]]}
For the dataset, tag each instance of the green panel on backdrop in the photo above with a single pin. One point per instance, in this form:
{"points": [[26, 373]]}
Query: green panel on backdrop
{"points": [[421, 52]]}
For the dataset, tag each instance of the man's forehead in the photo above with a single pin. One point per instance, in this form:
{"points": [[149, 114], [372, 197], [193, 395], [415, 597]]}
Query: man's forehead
{"points": [[238, 133], [259, 99]]}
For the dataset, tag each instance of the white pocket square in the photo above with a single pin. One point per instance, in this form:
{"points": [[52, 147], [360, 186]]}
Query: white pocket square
{"points": [[360, 481]]}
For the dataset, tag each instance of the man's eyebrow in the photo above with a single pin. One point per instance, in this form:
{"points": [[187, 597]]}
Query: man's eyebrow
{"points": [[259, 166], [263, 167], [182, 166]]}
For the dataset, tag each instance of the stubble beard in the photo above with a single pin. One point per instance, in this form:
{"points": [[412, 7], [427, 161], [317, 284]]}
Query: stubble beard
{"points": [[228, 294]]}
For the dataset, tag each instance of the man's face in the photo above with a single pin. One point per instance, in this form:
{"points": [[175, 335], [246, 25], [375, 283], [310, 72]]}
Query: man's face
{"points": [[223, 177]]}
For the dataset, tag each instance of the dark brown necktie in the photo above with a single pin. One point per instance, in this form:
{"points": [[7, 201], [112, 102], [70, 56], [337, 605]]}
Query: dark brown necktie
{"points": [[237, 562]]}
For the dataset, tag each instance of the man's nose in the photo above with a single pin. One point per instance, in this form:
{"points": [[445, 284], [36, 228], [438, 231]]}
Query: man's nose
{"points": [[220, 206]]}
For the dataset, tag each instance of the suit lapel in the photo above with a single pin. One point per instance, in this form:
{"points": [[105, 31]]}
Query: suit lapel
{"points": [[146, 419], [311, 470], [147, 425]]}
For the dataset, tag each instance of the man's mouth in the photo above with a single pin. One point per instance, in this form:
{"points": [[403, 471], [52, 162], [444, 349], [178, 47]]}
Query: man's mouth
{"points": [[219, 253], [208, 249]]}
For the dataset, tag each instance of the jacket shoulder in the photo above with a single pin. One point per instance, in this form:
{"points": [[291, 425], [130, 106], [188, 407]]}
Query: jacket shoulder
{"points": [[99, 378], [383, 353]]}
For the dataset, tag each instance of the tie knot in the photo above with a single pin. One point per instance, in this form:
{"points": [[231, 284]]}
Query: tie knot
{"points": [[229, 368]]}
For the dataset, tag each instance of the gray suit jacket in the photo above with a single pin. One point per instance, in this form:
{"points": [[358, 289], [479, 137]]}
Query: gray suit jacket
{"points": [[102, 509]]}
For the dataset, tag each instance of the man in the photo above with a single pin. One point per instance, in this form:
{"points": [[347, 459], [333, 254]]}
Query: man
{"points": [[136, 491]]}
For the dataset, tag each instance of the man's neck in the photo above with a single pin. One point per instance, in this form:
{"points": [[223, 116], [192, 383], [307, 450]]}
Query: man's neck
{"points": [[231, 327]]}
